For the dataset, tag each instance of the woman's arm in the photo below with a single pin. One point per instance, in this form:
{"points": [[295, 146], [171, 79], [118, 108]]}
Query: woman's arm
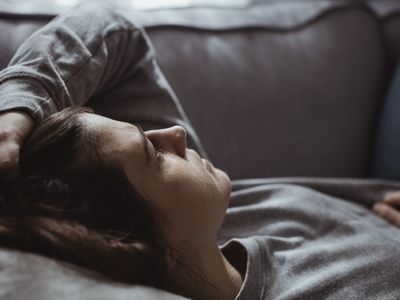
{"points": [[90, 51], [64, 63], [83, 52]]}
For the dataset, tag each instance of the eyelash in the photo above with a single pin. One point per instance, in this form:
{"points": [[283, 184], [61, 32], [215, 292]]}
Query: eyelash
{"points": [[158, 147]]}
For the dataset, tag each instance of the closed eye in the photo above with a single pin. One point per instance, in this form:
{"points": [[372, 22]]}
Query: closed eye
{"points": [[157, 147]]}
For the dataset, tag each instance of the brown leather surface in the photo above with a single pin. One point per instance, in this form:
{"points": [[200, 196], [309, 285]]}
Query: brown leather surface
{"points": [[384, 8], [392, 37], [270, 103], [389, 14], [13, 31]]}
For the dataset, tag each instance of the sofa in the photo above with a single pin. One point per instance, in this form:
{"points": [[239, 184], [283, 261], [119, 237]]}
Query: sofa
{"points": [[273, 88]]}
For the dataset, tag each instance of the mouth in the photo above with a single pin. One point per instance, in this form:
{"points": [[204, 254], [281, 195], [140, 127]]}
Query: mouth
{"points": [[207, 164]]}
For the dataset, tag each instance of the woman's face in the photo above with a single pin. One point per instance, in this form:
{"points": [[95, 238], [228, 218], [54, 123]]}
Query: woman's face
{"points": [[191, 194]]}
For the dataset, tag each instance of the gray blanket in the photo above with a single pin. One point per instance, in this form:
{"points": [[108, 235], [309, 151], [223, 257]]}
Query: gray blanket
{"points": [[301, 244]]}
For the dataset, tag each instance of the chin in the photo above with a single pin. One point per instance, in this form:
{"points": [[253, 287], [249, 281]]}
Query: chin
{"points": [[225, 181]]}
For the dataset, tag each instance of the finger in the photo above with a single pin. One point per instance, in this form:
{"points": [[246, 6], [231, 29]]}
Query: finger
{"points": [[392, 198], [387, 212], [9, 161]]}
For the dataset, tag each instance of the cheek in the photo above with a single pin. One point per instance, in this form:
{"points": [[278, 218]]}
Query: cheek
{"points": [[191, 184], [183, 192], [197, 205]]}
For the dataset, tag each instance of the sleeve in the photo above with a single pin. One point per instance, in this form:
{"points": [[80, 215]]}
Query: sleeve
{"points": [[88, 54], [70, 59]]}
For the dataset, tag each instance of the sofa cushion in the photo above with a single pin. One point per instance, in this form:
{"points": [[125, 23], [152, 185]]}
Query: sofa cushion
{"points": [[278, 89], [15, 29], [388, 12]]}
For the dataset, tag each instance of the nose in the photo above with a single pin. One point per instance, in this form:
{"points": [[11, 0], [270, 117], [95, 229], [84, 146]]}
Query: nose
{"points": [[171, 139]]}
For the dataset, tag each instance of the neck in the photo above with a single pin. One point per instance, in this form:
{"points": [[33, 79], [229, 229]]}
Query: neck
{"points": [[221, 280]]}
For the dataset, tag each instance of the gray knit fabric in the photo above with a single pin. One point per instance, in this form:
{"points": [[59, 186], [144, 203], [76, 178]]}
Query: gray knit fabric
{"points": [[304, 244]]}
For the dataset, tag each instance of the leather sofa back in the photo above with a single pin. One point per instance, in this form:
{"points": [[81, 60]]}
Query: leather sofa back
{"points": [[14, 29], [283, 89], [275, 89], [388, 12]]}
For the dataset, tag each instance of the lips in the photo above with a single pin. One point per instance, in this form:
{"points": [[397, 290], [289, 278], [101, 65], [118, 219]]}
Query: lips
{"points": [[207, 164]]}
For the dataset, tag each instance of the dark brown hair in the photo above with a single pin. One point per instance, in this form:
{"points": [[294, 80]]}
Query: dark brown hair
{"points": [[68, 205]]}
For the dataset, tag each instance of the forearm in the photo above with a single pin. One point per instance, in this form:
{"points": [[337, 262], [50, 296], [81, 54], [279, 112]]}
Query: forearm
{"points": [[94, 54], [69, 60]]}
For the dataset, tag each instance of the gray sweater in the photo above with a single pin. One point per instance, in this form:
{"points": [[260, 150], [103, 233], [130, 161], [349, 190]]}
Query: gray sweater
{"points": [[309, 239], [305, 244]]}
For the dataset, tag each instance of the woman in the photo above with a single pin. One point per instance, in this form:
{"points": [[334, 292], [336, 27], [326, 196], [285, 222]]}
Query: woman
{"points": [[144, 196], [141, 207]]}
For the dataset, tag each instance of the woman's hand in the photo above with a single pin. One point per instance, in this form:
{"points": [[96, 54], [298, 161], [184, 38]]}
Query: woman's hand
{"points": [[15, 127], [387, 208]]}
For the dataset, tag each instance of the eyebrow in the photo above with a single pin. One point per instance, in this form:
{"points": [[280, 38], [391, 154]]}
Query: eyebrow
{"points": [[145, 143]]}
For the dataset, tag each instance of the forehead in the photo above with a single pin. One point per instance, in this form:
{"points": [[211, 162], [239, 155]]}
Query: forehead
{"points": [[104, 126], [114, 138]]}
